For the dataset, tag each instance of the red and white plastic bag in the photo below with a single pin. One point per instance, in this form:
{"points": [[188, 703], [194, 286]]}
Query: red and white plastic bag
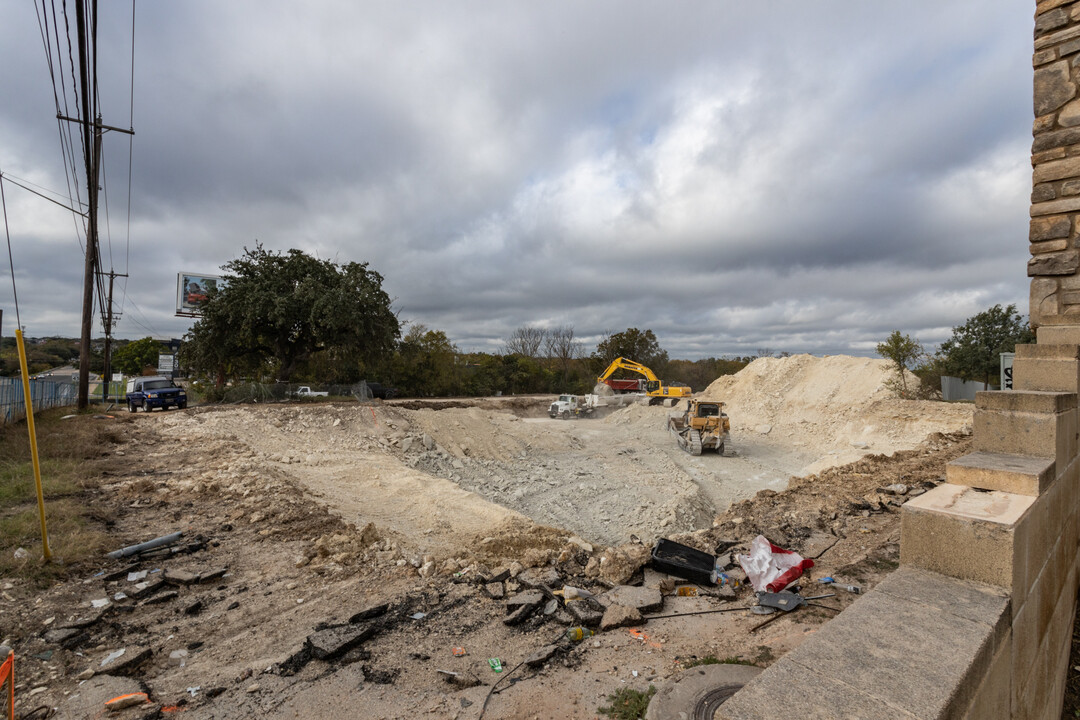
{"points": [[772, 568]]}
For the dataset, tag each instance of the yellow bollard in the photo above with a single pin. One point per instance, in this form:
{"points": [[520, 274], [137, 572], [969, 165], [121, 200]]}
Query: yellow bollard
{"points": [[33, 442]]}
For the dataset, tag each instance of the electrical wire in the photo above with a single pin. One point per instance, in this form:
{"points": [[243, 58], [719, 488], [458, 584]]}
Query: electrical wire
{"points": [[40, 195], [131, 156], [11, 261]]}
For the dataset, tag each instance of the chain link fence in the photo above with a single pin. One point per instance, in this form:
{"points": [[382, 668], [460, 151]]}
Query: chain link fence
{"points": [[44, 394]]}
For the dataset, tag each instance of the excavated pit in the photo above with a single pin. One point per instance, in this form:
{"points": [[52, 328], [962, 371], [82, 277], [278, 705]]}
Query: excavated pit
{"points": [[440, 478]]}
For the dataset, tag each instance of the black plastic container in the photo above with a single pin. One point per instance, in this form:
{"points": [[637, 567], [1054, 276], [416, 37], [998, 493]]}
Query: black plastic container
{"points": [[682, 561]]}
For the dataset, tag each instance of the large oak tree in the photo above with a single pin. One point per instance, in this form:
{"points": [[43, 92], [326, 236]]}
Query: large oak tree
{"points": [[275, 311]]}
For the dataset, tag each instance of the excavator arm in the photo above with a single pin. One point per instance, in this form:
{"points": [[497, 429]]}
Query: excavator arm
{"points": [[621, 363]]}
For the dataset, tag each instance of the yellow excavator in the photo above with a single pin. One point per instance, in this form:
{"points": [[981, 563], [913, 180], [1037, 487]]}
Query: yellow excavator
{"points": [[652, 387]]}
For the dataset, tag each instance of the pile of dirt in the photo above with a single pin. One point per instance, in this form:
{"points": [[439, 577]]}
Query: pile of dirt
{"points": [[838, 407]]}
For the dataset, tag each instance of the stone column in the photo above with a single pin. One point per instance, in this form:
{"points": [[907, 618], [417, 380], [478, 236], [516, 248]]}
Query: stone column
{"points": [[1055, 158]]}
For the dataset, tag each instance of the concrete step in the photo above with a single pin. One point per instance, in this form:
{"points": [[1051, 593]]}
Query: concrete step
{"points": [[1054, 368], [1020, 474], [1026, 422], [966, 533]]}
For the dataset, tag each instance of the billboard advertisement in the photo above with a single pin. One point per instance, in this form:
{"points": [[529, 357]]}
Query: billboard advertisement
{"points": [[191, 291]]}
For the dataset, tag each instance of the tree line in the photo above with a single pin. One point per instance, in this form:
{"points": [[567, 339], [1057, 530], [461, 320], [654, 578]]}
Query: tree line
{"points": [[972, 352], [289, 317]]}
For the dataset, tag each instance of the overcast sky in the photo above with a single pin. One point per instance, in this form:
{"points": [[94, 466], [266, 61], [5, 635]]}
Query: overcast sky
{"points": [[804, 177]]}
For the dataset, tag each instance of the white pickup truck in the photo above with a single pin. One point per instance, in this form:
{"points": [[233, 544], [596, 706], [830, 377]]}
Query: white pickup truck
{"points": [[306, 391]]}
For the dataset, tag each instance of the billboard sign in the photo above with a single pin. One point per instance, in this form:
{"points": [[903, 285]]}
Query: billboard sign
{"points": [[166, 364], [191, 291]]}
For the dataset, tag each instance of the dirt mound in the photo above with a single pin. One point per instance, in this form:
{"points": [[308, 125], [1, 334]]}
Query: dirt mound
{"points": [[838, 406]]}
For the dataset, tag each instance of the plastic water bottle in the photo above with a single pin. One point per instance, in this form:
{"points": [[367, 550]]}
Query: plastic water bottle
{"points": [[579, 633]]}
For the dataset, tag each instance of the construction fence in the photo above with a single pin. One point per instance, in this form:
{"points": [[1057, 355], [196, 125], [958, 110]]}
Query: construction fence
{"points": [[44, 394]]}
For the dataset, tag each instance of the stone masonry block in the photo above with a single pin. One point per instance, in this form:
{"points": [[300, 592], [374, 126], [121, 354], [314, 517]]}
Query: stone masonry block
{"points": [[1053, 87], [1055, 170], [1043, 302], [1065, 205], [1030, 402], [1043, 424], [1035, 538], [1035, 683], [992, 699], [963, 533], [1064, 262], [1053, 368], [1025, 649], [1020, 474], [1058, 334]]}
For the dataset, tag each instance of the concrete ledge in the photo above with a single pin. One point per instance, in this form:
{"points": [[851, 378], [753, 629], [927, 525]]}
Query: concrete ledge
{"points": [[1058, 334], [1027, 401], [964, 533], [918, 646], [1019, 474], [1054, 368]]}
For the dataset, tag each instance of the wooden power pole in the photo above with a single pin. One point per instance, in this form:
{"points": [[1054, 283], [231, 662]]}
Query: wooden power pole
{"points": [[90, 120]]}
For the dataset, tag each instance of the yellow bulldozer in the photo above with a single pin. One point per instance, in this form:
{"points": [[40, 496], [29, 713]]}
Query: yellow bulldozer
{"points": [[702, 426]]}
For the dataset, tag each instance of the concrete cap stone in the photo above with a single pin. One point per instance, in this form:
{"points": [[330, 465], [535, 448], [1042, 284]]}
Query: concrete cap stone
{"points": [[1047, 352], [898, 654], [974, 601], [1058, 334], [1025, 401], [1020, 474], [789, 689], [994, 506]]}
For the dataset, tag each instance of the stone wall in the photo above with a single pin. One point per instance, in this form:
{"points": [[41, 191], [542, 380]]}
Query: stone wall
{"points": [[1055, 158]]}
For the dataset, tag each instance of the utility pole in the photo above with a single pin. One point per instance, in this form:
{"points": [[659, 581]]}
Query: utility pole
{"points": [[109, 322], [92, 153], [91, 193]]}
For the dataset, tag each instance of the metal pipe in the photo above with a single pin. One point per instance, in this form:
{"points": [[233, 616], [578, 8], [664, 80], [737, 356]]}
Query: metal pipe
{"points": [[148, 545]]}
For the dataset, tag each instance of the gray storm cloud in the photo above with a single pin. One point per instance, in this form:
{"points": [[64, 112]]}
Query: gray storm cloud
{"points": [[794, 176]]}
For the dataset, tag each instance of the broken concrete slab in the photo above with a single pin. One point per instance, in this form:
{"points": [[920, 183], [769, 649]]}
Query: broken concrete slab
{"points": [[144, 589], [370, 612], [617, 616], [162, 597], [180, 577], [84, 621], [211, 575], [584, 615], [334, 642], [126, 663], [528, 597], [64, 637], [643, 599], [540, 577], [818, 542], [520, 614], [542, 655]]}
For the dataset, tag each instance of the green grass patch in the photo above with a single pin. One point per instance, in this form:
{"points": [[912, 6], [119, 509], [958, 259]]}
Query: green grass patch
{"points": [[59, 478], [66, 451], [628, 704]]}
